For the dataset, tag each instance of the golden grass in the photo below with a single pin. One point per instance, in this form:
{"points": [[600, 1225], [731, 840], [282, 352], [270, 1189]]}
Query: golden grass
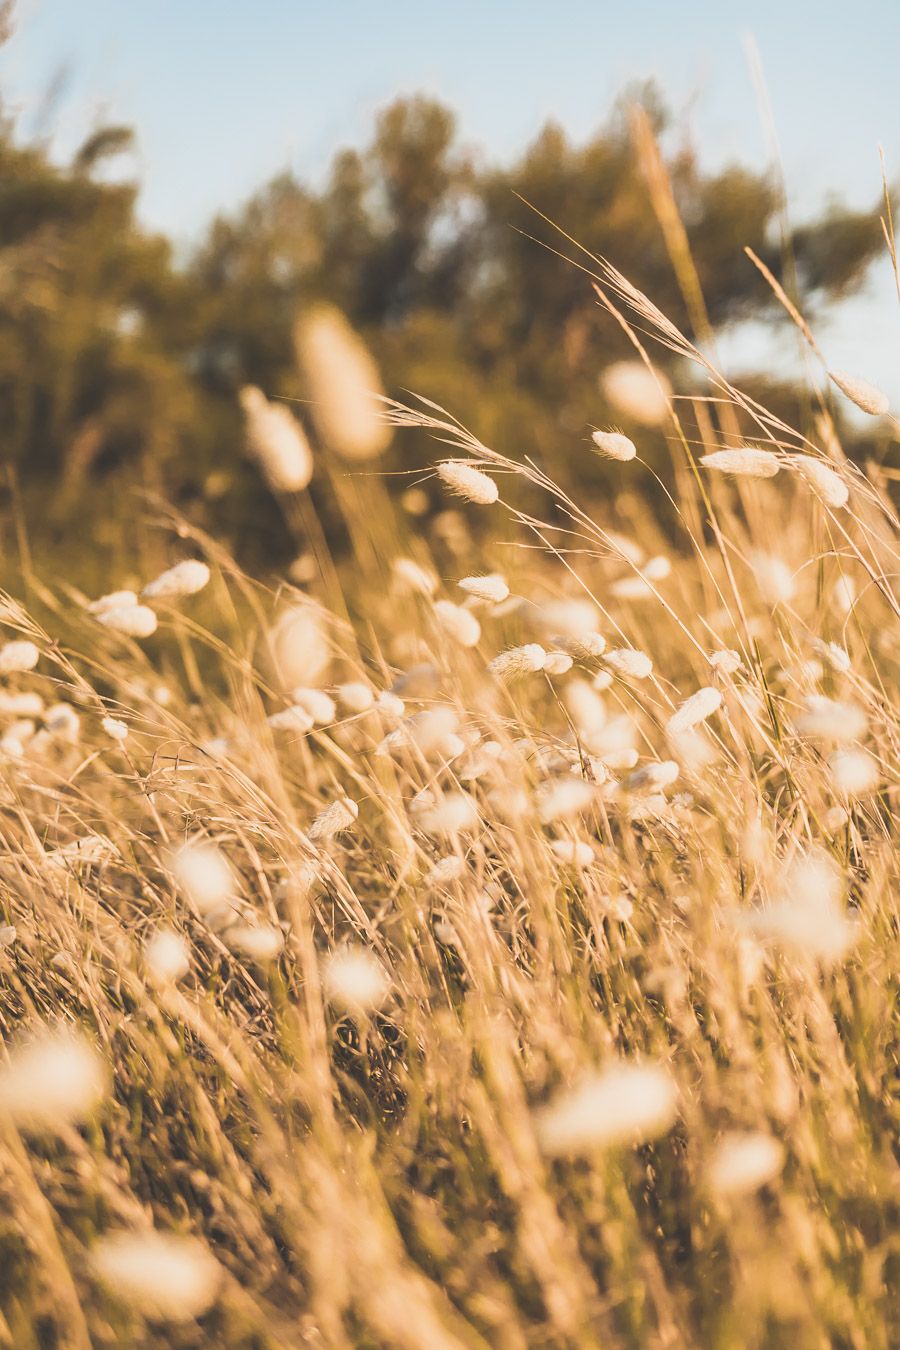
{"points": [[544, 889]]}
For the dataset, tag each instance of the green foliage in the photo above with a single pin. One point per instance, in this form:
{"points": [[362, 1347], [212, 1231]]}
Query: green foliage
{"points": [[119, 369]]}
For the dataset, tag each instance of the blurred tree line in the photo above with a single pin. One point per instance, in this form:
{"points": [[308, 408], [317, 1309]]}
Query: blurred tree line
{"points": [[120, 366]]}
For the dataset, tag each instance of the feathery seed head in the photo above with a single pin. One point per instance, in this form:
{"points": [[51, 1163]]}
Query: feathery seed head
{"points": [[320, 706], [344, 385], [355, 696], [694, 710], [828, 485], [452, 814], [573, 852], [640, 395], [409, 575], [204, 876], [624, 1105], [725, 662], [517, 662], [491, 588], [299, 646], [18, 656], [745, 461], [558, 663], [261, 942], [137, 621], [458, 623], [831, 720], [866, 396], [468, 482], [355, 981], [853, 772], [276, 440], [774, 578], [339, 816], [167, 956], [743, 1162], [184, 579], [51, 1080], [629, 663], [160, 1275], [114, 600], [295, 718], [613, 445]]}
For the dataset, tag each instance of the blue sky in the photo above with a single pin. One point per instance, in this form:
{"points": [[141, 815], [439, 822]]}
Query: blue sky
{"points": [[225, 93]]}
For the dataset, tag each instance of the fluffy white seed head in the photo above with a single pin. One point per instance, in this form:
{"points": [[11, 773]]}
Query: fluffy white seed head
{"points": [[640, 395], [517, 662], [844, 593], [300, 651], [567, 618], [184, 579], [491, 588], [745, 461], [390, 706], [468, 482], [62, 722], [452, 814], [829, 719], [355, 981], [774, 578], [337, 817], [558, 663], [573, 852], [431, 733], [458, 623], [51, 1080], [295, 718], [344, 385], [160, 1275], [743, 1162], [19, 655], [114, 600], [853, 772], [320, 706], [725, 662], [355, 696], [629, 663], [833, 655], [586, 709], [828, 486], [866, 396], [585, 647], [652, 777], [445, 871], [638, 587], [807, 916], [137, 621], [22, 704], [624, 1105], [167, 956], [261, 942], [90, 850], [277, 442], [657, 568], [115, 728], [408, 575], [564, 798], [204, 875], [694, 710], [613, 445]]}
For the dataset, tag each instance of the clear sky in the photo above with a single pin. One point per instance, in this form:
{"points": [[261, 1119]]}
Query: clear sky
{"points": [[225, 93]]}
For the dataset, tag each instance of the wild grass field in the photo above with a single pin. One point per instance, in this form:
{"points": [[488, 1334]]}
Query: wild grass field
{"points": [[485, 939]]}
